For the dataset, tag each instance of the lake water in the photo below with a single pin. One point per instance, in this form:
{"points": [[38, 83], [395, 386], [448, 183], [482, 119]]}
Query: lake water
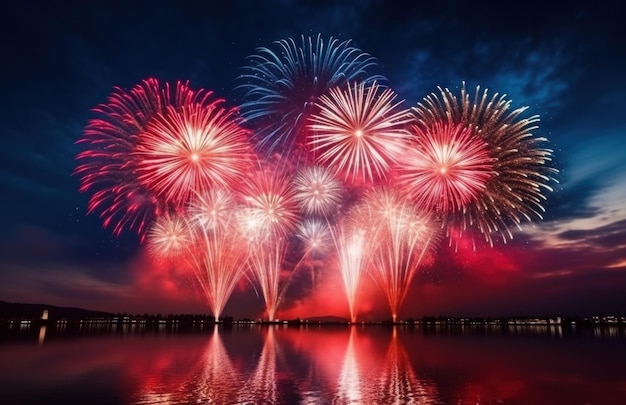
{"points": [[314, 365]]}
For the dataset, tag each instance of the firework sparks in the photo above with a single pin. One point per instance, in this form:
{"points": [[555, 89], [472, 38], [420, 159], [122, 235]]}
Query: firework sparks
{"points": [[447, 167], [272, 208], [350, 242], [282, 85], [194, 148], [359, 132], [169, 237], [317, 191], [400, 237], [315, 235], [212, 209], [219, 260], [108, 167], [520, 164], [266, 262]]}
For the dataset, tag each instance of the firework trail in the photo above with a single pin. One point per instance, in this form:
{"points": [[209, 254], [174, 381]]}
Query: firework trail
{"points": [[350, 240], [282, 84], [219, 260], [266, 262], [107, 167], [400, 236], [492, 193], [359, 132]]}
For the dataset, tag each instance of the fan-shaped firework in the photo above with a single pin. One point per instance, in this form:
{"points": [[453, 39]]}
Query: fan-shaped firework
{"points": [[359, 132], [518, 161], [350, 238], [272, 208], [318, 192], [219, 260], [447, 168], [266, 261], [400, 237], [107, 166], [192, 148], [282, 84]]}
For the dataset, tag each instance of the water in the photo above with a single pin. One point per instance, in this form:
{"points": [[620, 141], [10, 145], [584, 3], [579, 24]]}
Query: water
{"points": [[312, 365]]}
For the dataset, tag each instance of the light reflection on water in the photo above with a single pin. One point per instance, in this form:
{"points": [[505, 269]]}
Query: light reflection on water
{"points": [[314, 365]]}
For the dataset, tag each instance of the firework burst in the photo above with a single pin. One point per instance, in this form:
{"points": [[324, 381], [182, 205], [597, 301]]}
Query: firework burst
{"points": [[501, 188], [271, 205], [317, 191], [212, 209], [282, 84], [448, 167], [359, 132], [193, 148], [170, 237], [107, 166]]}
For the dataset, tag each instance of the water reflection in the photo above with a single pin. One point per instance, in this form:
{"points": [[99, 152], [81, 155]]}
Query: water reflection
{"points": [[262, 387], [349, 384], [309, 365], [212, 378], [398, 382]]}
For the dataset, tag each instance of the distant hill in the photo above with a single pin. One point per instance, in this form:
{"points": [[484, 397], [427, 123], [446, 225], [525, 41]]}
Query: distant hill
{"points": [[34, 311]]}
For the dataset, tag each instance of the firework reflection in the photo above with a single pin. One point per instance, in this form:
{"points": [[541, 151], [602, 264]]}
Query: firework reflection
{"points": [[262, 387], [398, 383]]}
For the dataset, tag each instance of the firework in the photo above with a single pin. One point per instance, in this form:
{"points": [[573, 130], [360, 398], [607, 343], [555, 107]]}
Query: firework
{"points": [[350, 240], [496, 190], [282, 84], [317, 191], [212, 209], [169, 237], [266, 261], [192, 149], [359, 131], [271, 205], [219, 260], [108, 167], [448, 167], [315, 235], [400, 236]]}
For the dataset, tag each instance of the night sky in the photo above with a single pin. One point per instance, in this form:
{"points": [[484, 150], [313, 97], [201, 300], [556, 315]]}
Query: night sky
{"points": [[567, 63]]}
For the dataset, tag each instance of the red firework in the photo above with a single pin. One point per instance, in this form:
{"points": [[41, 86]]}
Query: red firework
{"points": [[507, 168], [271, 205], [359, 132], [317, 191], [446, 168], [170, 237], [107, 167], [194, 148]]}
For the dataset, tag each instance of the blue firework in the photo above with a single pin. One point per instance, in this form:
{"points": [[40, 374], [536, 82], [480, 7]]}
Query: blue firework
{"points": [[282, 84]]}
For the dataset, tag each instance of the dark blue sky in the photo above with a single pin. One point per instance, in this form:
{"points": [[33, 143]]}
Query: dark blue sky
{"points": [[567, 63]]}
